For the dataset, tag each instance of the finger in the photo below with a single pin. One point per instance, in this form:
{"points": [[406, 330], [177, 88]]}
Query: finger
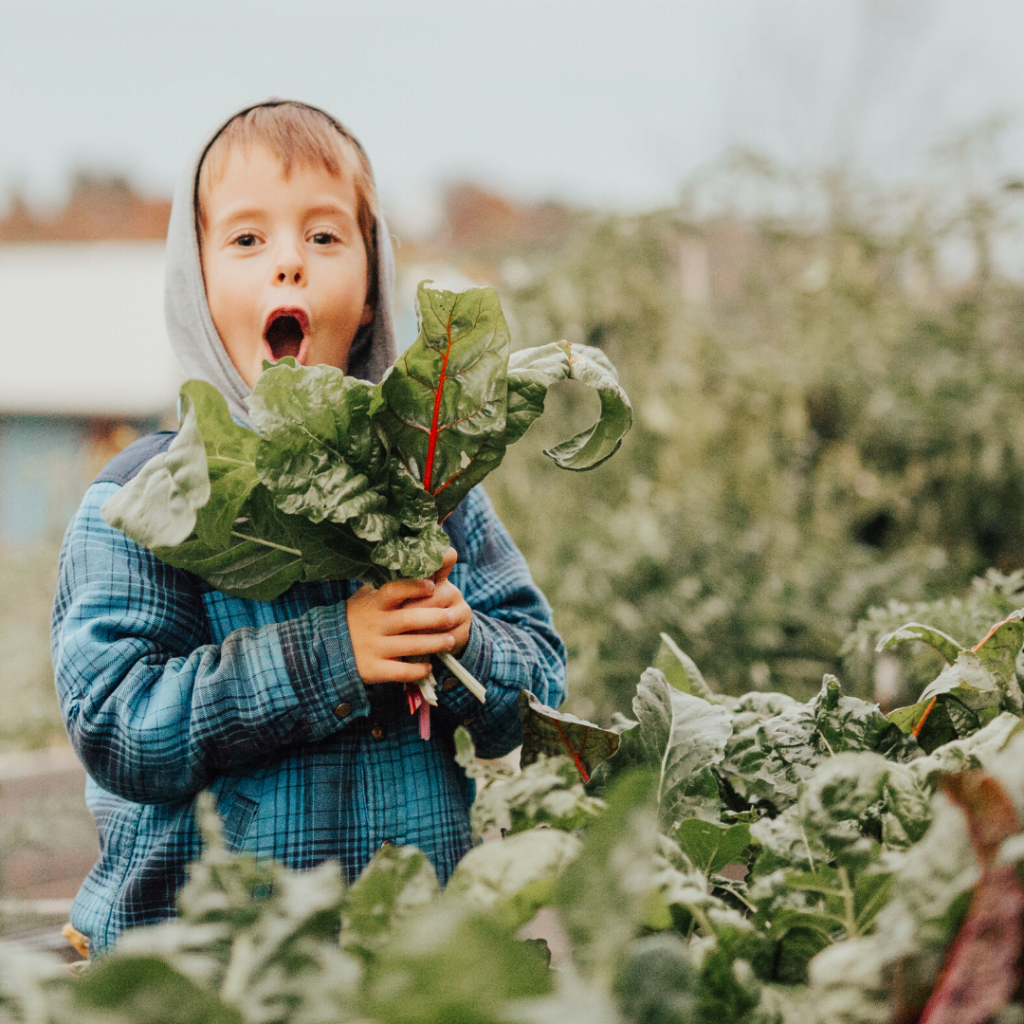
{"points": [[396, 593], [415, 645], [444, 596], [450, 558], [406, 671], [418, 620]]}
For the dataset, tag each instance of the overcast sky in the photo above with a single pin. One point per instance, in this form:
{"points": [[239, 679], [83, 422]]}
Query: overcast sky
{"points": [[594, 101]]}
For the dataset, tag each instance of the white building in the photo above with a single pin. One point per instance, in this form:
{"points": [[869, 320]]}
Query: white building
{"points": [[85, 366]]}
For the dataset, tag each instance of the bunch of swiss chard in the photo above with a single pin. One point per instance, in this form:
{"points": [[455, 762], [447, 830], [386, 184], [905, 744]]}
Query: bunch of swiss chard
{"points": [[350, 480]]}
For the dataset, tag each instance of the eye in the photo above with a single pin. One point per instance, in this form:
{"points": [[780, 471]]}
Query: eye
{"points": [[246, 241], [324, 237]]}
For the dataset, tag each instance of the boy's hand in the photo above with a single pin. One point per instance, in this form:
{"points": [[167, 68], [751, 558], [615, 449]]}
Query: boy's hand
{"points": [[447, 595], [398, 621]]}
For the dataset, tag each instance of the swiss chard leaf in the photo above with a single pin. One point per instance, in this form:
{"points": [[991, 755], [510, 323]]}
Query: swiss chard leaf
{"points": [[942, 642], [230, 459], [547, 792], [711, 846], [682, 737], [446, 396], [546, 731], [159, 505], [517, 875], [680, 669], [602, 439]]}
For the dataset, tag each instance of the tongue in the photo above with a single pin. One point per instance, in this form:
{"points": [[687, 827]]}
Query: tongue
{"points": [[284, 336]]}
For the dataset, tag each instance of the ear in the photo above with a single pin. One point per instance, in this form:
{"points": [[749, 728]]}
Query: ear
{"points": [[369, 310]]}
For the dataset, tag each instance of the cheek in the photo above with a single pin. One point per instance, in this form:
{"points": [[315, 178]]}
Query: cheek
{"points": [[226, 293]]}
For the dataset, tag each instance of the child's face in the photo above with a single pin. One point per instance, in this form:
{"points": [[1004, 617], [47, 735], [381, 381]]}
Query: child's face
{"points": [[284, 262]]}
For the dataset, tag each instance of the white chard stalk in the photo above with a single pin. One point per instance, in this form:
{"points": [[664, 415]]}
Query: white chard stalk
{"points": [[468, 680]]}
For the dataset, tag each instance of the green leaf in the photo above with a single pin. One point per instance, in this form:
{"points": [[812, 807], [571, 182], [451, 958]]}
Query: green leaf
{"points": [[942, 642], [230, 458], [861, 796], [599, 442], [682, 737], [680, 670], [711, 846], [399, 881], [318, 442], [451, 964], [975, 751], [771, 758], [516, 874], [446, 396], [968, 680], [546, 731], [602, 895], [158, 506], [146, 990], [546, 792], [531, 372], [413, 556]]}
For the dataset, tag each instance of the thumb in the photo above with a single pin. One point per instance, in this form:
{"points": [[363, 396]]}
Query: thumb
{"points": [[450, 558]]}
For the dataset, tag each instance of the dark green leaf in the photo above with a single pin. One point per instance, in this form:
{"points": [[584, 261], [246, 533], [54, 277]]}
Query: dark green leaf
{"points": [[318, 442], [531, 372], [446, 396], [711, 846], [546, 731]]}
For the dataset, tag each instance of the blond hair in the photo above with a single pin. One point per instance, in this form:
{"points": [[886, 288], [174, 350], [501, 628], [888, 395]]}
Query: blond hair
{"points": [[297, 134]]}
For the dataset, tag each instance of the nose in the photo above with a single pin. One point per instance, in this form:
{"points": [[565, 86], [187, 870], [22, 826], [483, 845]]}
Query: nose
{"points": [[288, 267]]}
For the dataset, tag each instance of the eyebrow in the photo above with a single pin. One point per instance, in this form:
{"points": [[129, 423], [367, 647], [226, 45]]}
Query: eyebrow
{"points": [[256, 212]]}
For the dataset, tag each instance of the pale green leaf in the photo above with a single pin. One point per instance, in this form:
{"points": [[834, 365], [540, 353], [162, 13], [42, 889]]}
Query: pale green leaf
{"points": [[158, 506]]}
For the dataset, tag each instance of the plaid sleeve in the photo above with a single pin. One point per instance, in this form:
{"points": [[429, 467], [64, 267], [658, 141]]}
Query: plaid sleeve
{"points": [[512, 645], [156, 709]]}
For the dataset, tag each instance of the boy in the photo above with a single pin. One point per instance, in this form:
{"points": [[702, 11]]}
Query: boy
{"points": [[287, 710]]}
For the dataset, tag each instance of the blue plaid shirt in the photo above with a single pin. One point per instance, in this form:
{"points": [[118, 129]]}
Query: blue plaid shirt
{"points": [[168, 687]]}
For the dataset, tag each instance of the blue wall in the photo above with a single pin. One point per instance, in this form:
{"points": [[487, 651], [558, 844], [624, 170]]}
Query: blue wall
{"points": [[45, 465]]}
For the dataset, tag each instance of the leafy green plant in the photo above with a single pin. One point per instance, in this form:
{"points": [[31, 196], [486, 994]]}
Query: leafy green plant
{"points": [[753, 859], [347, 479], [351, 480]]}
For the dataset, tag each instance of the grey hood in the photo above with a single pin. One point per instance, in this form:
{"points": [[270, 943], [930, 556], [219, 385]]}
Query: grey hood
{"points": [[190, 327]]}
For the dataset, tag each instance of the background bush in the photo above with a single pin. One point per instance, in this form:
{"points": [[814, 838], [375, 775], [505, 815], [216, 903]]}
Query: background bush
{"points": [[827, 384]]}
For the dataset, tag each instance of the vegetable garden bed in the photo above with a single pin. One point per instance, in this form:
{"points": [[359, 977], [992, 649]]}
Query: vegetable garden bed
{"points": [[882, 861]]}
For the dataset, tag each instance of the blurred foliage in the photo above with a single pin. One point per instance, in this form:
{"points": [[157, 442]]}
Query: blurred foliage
{"points": [[824, 423], [31, 716]]}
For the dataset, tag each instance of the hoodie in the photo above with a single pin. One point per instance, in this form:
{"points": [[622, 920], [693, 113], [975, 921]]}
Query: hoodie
{"points": [[168, 687], [190, 327]]}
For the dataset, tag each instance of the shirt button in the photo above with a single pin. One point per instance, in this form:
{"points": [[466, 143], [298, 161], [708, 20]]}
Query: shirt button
{"points": [[377, 732], [449, 684], [343, 710]]}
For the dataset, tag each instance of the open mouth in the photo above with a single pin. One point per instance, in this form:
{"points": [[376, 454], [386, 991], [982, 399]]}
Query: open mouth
{"points": [[285, 332]]}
